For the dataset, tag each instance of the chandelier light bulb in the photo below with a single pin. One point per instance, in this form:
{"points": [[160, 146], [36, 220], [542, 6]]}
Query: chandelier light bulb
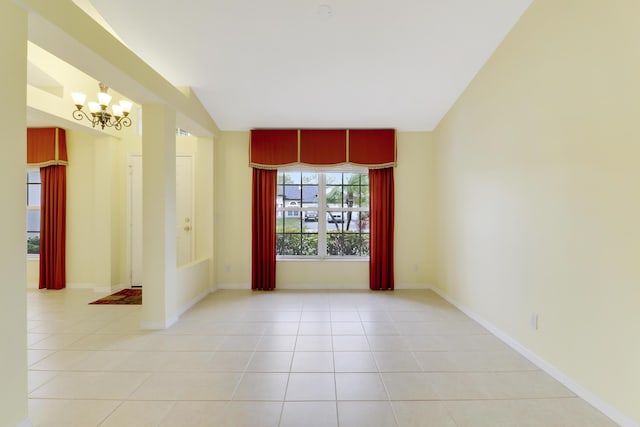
{"points": [[78, 99], [94, 107], [104, 99], [117, 111], [126, 106]]}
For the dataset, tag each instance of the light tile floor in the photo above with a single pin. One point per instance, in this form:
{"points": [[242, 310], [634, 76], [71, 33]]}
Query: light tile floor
{"points": [[284, 358]]}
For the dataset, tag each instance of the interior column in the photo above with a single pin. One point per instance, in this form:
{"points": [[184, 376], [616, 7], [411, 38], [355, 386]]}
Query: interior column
{"points": [[158, 216], [13, 250], [105, 209]]}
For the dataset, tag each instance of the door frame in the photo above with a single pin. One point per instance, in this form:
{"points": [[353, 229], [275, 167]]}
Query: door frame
{"points": [[130, 202]]}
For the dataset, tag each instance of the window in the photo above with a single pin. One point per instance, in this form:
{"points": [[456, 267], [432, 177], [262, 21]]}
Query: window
{"points": [[34, 187], [322, 214]]}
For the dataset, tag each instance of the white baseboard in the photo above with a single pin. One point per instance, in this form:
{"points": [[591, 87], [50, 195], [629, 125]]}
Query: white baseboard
{"points": [[406, 286], [234, 286], [194, 301], [25, 423], [91, 286], [98, 288], [560, 376], [323, 286], [159, 325]]}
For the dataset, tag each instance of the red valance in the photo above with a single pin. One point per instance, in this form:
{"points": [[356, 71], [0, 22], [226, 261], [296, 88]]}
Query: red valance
{"points": [[271, 149], [46, 147], [274, 148], [372, 148]]}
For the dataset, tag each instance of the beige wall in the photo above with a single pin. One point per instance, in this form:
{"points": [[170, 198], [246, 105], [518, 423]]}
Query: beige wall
{"points": [[13, 328], [96, 178], [81, 214], [415, 243], [537, 183], [415, 210], [97, 181], [97, 200], [96, 213], [232, 210]]}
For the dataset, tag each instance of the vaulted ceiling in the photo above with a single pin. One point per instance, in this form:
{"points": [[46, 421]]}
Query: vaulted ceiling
{"points": [[317, 63]]}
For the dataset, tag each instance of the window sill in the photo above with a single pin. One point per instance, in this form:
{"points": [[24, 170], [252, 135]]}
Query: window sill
{"points": [[322, 259], [33, 257]]}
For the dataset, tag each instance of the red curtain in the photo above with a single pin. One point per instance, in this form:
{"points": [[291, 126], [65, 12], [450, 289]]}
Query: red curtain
{"points": [[382, 216], [263, 248], [53, 213]]}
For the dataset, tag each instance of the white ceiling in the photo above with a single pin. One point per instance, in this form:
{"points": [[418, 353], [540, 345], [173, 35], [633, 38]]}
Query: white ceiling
{"points": [[317, 63]]}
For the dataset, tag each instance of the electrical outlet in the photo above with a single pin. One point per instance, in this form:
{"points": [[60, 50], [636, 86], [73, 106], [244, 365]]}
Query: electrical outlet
{"points": [[534, 321], [415, 268], [227, 268]]}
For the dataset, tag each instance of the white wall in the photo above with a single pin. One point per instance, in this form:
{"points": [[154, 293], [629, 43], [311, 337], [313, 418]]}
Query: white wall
{"points": [[537, 189]]}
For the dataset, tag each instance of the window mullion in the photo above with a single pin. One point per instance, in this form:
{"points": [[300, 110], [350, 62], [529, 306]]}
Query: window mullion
{"points": [[322, 216]]}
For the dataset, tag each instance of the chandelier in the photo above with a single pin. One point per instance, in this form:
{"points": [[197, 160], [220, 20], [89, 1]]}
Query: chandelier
{"points": [[99, 114]]}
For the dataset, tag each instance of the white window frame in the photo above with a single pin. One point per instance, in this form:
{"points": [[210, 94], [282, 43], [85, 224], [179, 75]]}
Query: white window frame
{"points": [[322, 211], [33, 208]]}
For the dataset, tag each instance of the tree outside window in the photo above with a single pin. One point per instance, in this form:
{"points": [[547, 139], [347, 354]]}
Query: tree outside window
{"points": [[34, 188], [322, 214]]}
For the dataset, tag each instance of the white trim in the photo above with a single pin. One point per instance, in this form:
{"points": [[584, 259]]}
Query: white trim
{"points": [[324, 286], [235, 286], [159, 325], [581, 391], [129, 219], [194, 301], [97, 288], [105, 289], [93, 286], [317, 258], [25, 423], [342, 167], [410, 286]]}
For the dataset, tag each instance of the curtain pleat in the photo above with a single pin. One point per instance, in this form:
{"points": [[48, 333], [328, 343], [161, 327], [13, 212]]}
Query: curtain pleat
{"points": [[382, 217], [53, 213], [263, 248]]}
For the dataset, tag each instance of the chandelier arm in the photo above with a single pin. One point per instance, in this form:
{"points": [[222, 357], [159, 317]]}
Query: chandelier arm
{"points": [[125, 121], [79, 115]]}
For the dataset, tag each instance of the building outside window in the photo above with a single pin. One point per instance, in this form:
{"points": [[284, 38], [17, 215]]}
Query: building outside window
{"points": [[322, 214], [34, 187]]}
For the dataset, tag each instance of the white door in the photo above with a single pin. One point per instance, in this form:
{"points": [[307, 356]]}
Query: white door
{"points": [[135, 220], [184, 209], [184, 214]]}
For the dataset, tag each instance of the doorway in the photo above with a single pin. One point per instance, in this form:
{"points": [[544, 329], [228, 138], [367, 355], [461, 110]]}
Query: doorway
{"points": [[184, 214]]}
